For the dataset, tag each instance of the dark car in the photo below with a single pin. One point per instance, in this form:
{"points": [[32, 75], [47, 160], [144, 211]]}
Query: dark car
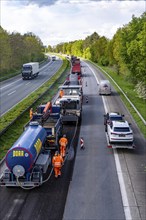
{"points": [[112, 116]]}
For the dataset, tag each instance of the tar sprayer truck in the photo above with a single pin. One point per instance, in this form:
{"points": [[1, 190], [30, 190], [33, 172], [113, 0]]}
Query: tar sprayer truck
{"points": [[28, 159], [30, 70]]}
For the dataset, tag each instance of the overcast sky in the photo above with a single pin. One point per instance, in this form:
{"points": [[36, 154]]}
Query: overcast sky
{"points": [[57, 21]]}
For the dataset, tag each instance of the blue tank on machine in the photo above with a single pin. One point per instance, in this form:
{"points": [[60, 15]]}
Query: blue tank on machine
{"points": [[26, 149]]}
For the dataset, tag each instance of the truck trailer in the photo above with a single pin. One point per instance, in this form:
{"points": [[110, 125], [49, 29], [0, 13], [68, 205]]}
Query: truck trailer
{"points": [[30, 70], [76, 68]]}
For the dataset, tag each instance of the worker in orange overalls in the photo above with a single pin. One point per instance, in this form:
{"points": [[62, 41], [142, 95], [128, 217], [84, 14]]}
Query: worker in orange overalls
{"points": [[61, 93], [57, 162], [63, 143], [31, 114]]}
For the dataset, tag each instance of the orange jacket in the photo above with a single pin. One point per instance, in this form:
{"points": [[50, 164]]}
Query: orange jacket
{"points": [[57, 161], [31, 113], [63, 141], [61, 93]]}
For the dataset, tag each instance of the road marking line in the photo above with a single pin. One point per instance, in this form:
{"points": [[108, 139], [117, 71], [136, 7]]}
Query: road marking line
{"points": [[12, 92], [119, 172], [27, 83], [10, 84], [122, 186]]}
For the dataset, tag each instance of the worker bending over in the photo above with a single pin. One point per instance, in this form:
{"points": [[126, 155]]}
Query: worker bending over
{"points": [[63, 143], [57, 162], [61, 93]]}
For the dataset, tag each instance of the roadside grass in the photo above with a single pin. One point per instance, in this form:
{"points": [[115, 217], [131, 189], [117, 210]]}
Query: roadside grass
{"points": [[128, 89], [15, 112], [16, 129], [15, 72]]}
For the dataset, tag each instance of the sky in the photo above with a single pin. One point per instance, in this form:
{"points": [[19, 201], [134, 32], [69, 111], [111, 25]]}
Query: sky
{"points": [[58, 21]]}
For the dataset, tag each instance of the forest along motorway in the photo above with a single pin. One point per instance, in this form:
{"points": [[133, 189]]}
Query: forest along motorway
{"points": [[16, 89], [90, 187]]}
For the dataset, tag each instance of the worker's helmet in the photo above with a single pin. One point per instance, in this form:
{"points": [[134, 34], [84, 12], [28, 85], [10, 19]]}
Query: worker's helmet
{"points": [[56, 153]]}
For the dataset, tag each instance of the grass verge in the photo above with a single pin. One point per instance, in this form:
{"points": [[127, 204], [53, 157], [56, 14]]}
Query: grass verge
{"points": [[16, 129], [128, 89]]}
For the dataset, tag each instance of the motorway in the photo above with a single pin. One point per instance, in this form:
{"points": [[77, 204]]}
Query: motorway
{"points": [[16, 89], [100, 183]]}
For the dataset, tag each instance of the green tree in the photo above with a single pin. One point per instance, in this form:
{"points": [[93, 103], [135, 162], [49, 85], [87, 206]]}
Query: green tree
{"points": [[5, 51]]}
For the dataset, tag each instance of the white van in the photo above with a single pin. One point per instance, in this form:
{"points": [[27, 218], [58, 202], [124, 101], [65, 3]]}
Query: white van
{"points": [[104, 87]]}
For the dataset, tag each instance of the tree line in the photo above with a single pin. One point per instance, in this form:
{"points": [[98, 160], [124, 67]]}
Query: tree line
{"points": [[16, 49], [125, 52]]}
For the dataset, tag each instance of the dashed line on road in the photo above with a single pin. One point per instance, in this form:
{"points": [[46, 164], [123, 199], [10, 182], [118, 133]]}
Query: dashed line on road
{"points": [[12, 92], [27, 83]]}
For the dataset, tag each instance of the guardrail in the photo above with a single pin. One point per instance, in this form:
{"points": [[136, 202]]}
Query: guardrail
{"points": [[123, 94]]}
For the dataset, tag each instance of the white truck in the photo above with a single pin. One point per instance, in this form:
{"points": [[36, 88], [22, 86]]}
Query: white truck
{"points": [[30, 70]]}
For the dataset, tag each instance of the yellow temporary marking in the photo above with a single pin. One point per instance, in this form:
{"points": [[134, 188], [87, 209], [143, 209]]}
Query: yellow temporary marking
{"points": [[18, 153], [38, 145]]}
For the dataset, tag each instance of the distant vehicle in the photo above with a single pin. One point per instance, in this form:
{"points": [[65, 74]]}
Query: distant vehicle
{"points": [[53, 58], [112, 116], [76, 69], [119, 132], [30, 70], [104, 87]]}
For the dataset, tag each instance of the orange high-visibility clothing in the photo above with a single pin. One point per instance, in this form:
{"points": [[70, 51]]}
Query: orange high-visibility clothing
{"points": [[61, 93], [63, 141], [31, 114], [48, 107], [62, 150], [57, 162]]}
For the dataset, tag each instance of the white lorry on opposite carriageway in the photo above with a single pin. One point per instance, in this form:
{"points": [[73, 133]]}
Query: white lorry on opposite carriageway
{"points": [[30, 70]]}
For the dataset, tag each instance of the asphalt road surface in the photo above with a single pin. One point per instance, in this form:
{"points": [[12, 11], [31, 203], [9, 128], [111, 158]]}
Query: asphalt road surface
{"points": [[99, 183], [16, 89]]}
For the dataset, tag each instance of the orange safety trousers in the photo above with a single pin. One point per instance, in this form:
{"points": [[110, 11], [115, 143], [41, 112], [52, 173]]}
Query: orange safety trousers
{"points": [[57, 163], [62, 150]]}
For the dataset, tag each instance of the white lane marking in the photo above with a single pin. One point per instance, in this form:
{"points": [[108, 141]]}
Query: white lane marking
{"points": [[27, 83], [122, 187], [16, 202], [10, 84], [93, 73], [119, 171], [12, 92]]}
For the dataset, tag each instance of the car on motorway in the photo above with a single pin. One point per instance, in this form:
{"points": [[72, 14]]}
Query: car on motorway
{"points": [[112, 116], [119, 132], [104, 87]]}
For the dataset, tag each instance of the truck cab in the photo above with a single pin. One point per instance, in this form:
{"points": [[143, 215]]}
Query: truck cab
{"points": [[30, 70]]}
